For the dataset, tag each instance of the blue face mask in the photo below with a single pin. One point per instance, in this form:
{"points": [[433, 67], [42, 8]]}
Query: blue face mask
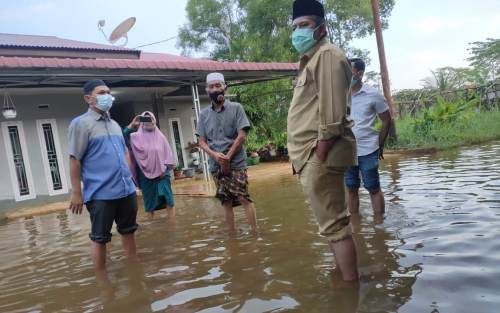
{"points": [[303, 39], [354, 81], [104, 102]]}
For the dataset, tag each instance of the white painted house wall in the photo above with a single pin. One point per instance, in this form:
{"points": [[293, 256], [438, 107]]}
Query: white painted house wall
{"points": [[63, 106]]}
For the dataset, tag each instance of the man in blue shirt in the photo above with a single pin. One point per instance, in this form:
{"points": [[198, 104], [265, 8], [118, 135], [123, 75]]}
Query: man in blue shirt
{"points": [[367, 104], [99, 158]]}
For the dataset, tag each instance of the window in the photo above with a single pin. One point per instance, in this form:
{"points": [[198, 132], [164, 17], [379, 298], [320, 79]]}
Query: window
{"points": [[18, 161], [51, 156]]}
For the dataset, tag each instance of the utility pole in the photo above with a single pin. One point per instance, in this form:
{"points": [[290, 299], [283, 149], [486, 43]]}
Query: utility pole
{"points": [[384, 72]]}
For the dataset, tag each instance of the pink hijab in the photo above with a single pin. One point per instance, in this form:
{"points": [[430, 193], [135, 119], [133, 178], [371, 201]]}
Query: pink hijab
{"points": [[150, 150]]}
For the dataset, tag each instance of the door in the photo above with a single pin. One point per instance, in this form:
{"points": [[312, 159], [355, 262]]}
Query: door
{"points": [[122, 113], [177, 141]]}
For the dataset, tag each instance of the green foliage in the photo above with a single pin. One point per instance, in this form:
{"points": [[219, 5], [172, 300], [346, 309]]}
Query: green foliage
{"points": [[260, 31], [479, 127], [412, 94], [245, 30], [178, 168], [442, 113], [452, 78], [448, 124], [266, 105], [485, 55], [350, 19]]}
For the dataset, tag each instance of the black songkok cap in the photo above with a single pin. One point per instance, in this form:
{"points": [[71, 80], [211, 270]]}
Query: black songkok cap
{"points": [[307, 7], [91, 84]]}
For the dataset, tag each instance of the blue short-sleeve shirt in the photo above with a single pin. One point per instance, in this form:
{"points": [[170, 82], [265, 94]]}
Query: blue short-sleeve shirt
{"points": [[97, 142]]}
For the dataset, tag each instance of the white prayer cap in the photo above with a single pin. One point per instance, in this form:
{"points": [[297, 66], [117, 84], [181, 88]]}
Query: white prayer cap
{"points": [[215, 77]]}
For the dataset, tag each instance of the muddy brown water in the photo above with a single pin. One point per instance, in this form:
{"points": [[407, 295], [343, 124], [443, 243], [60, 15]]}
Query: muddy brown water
{"points": [[438, 250]]}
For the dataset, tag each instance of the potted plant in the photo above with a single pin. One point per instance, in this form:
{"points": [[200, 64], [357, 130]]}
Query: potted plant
{"points": [[253, 158], [189, 172], [178, 171]]}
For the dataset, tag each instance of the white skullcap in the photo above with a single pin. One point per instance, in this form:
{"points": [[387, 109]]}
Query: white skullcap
{"points": [[215, 77]]}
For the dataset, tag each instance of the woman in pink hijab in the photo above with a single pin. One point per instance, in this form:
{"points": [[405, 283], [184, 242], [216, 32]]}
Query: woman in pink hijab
{"points": [[152, 161]]}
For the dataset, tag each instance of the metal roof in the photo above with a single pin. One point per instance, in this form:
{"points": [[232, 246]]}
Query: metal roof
{"points": [[52, 42], [158, 62], [149, 69]]}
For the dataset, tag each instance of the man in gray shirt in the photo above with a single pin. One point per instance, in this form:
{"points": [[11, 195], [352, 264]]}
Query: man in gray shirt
{"points": [[367, 104], [221, 132]]}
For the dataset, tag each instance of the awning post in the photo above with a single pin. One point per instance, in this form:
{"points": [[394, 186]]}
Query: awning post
{"points": [[197, 109]]}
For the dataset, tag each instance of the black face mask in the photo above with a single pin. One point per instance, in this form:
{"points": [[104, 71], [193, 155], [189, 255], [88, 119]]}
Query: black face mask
{"points": [[214, 96]]}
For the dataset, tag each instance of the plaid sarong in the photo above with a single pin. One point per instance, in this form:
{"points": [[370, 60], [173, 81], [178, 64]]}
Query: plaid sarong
{"points": [[232, 186]]}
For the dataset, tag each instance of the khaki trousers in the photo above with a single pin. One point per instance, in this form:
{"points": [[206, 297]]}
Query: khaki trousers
{"points": [[324, 188]]}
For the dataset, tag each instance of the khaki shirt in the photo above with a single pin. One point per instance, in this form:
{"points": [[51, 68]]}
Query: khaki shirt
{"points": [[319, 107]]}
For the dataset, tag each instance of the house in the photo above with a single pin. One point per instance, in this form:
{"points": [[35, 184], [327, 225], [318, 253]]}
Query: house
{"points": [[42, 76]]}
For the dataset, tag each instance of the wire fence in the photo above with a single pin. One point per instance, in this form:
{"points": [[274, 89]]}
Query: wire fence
{"points": [[413, 101]]}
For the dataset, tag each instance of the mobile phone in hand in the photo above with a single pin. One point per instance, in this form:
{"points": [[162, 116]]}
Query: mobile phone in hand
{"points": [[145, 119]]}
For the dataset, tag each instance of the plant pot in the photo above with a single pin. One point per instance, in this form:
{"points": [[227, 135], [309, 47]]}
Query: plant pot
{"points": [[177, 173], [253, 161], [9, 113], [189, 172]]}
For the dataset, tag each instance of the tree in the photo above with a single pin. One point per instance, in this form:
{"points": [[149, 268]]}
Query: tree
{"points": [[452, 78], [266, 105], [350, 19], [212, 24], [259, 30], [485, 56], [245, 30]]}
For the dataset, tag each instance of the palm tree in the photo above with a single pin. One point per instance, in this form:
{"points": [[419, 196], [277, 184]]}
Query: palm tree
{"points": [[443, 79]]}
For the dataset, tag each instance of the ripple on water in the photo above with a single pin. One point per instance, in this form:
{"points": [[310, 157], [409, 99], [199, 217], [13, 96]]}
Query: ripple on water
{"points": [[437, 249]]}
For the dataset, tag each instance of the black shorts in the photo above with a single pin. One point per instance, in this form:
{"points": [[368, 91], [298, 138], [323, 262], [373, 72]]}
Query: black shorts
{"points": [[103, 213]]}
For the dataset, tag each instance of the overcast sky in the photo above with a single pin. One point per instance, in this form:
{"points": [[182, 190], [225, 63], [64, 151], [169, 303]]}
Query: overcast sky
{"points": [[422, 35]]}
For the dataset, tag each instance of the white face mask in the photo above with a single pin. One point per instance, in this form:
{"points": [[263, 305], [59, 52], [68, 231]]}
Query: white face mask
{"points": [[104, 102]]}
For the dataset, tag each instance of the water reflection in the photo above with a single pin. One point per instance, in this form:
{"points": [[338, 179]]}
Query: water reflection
{"points": [[385, 284], [436, 251]]}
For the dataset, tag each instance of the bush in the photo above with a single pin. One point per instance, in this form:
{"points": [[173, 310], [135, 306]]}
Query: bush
{"points": [[469, 127], [443, 113]]}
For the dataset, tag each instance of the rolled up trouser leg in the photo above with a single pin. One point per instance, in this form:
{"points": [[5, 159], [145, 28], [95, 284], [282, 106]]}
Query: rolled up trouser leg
{"points": [[324, 188]]}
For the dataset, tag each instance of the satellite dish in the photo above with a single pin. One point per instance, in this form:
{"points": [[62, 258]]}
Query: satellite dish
{"points": [[119, 32]]}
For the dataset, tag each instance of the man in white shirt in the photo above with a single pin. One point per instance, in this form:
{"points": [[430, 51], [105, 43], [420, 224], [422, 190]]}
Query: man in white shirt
{"points": [[367, 104]]}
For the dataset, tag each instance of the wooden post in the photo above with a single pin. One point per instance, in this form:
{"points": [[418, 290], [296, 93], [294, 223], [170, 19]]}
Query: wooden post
{"points": [[384, 72]]}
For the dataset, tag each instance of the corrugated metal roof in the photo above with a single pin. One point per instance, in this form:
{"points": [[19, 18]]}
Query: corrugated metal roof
{"points": [[147, 61], [52, 42], [162, 62]]}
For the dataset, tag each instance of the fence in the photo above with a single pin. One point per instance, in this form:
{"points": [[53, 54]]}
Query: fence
{"points": [[412, 101]]}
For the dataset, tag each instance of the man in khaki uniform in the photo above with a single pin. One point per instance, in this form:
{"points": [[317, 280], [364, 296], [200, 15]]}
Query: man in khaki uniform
{"points": [[321, 144]]}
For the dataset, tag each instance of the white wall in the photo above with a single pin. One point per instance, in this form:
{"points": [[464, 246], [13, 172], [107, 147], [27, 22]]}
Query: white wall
{"points": [[65, 105], [63, 108], [183, 109]]}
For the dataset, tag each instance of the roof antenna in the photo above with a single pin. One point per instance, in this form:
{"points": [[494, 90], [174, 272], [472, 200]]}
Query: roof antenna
{"points": [[119, 32]]}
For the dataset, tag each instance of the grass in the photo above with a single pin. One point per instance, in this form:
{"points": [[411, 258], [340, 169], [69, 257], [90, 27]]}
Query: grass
{"points": [[476, 128]]}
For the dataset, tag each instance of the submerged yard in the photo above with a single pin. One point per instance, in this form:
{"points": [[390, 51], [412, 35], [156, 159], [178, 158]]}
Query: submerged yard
{"points": [[436, 250]]}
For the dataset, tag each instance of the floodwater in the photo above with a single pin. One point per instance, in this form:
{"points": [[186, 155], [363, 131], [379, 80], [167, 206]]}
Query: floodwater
{"points": [[438, 250]]}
